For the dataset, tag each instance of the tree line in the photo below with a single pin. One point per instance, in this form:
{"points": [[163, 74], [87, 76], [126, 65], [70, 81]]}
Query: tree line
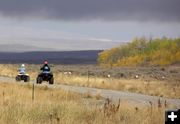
{"points": [[142, 51]]}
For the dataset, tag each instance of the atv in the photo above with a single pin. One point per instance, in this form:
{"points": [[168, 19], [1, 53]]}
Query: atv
{"points": [[23, 76], [45, 76]]}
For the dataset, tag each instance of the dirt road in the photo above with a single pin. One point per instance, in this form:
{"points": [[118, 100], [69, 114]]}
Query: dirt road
{"points": [[134, 98]]}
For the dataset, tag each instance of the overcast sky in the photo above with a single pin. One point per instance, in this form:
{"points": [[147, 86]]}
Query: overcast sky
{"points": [[86, 24]]}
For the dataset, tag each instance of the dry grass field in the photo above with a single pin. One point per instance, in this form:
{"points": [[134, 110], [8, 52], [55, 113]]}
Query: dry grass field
{"points": [[167, 86], [55, 106], [154, 88]]}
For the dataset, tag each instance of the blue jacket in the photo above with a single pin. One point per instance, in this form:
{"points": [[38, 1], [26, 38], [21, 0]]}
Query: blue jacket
{"points": [[45, 68]]}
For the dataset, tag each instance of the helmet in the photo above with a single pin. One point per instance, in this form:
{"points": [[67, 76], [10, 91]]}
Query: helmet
{"points": [[45, 62], [22, 65]]}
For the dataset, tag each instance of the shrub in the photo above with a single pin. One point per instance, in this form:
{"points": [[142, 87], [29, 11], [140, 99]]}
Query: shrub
{"points": [[140, 51]]}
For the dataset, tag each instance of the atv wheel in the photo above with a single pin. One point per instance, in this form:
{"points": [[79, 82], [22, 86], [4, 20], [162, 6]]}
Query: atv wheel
{"points": [[51, 81], [27, 79], [18, 78], [39, 80]]}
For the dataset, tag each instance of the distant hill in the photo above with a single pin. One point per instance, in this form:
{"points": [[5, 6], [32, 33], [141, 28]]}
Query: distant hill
{"points": [[22, 48], [24, 45], [55, 57]]}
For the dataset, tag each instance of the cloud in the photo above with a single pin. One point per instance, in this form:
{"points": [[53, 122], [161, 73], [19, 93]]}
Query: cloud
{"points": [[109, 10], [100, 39]]}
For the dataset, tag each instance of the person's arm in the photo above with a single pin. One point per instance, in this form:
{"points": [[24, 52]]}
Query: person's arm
{"points": [[24, 69], [42, 68], [49, 68]]}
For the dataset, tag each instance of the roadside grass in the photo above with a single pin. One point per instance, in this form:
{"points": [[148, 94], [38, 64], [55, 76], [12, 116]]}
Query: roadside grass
{"points": [[56, 106], [154, 87], [161, 88]]}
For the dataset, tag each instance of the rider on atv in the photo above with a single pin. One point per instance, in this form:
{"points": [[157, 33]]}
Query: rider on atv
{"points": [[22, 69], [45, 67], [22, 74], [46, 74]]}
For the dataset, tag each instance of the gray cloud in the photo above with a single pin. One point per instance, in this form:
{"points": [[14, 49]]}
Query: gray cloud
{"points": [[136, 10]]}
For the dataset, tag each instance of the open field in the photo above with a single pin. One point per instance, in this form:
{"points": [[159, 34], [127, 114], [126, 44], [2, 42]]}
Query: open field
{"points": [[62, 107], [156, 81]]}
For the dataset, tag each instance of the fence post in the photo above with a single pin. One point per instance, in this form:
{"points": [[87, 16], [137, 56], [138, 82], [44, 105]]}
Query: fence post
{"points": [[88, 75], [33, 92]]}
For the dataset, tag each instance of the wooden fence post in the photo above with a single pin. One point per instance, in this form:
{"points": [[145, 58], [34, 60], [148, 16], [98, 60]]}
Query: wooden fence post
{"points": [[33, 92], [88, 75]]}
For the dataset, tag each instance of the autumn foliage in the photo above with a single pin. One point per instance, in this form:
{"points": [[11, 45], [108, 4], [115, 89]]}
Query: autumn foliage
{"points": [[142, 51]]}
